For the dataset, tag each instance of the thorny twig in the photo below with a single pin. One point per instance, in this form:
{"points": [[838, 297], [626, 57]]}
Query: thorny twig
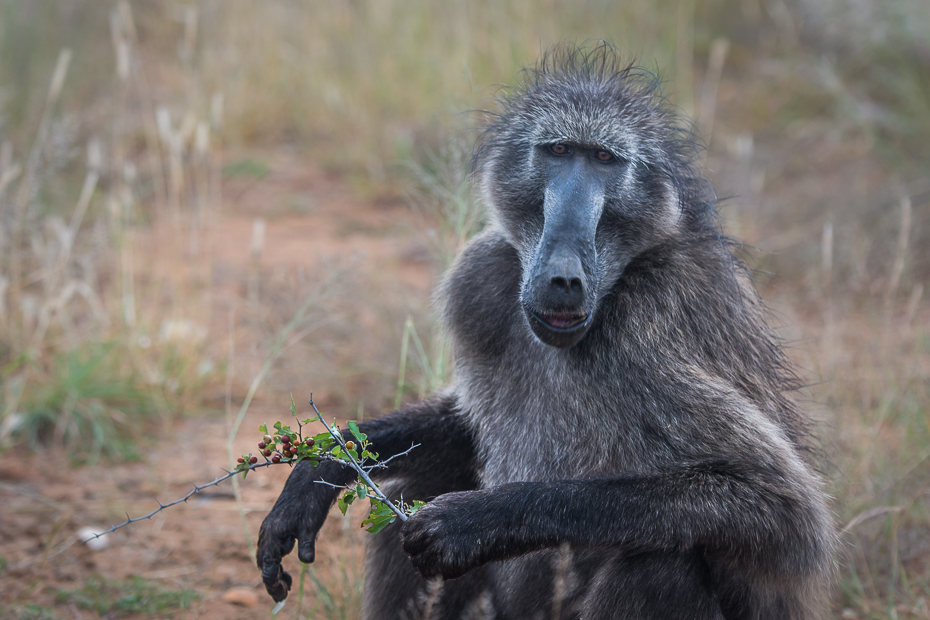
{"points": [[194, 491], [362, 471]]}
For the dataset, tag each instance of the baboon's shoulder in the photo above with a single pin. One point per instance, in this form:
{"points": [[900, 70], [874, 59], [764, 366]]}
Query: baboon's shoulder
{"points": [[480, 294]]}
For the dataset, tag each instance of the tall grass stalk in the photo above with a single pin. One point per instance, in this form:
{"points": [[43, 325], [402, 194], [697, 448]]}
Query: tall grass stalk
{"points": [[27, 184], [709, 89], [900, 255], [140, 81], [434, 365], [286, 337], [331, 604], [300, 591], [402, 367]]}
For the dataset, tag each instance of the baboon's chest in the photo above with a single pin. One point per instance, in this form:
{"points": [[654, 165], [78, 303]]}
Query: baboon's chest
{"points": [[541, 417]]}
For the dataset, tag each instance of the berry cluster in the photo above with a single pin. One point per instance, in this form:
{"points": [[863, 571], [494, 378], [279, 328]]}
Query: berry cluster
{"points": [[284, 445], [282, 448]]}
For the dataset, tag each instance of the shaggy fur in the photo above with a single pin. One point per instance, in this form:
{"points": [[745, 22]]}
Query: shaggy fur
{"points": [[616, 442]]}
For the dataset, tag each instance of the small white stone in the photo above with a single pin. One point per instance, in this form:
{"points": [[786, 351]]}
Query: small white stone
{"points": [[88, 536]]}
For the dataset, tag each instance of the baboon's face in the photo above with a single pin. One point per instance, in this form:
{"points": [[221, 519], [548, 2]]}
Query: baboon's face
{"points": [[575, 181]]}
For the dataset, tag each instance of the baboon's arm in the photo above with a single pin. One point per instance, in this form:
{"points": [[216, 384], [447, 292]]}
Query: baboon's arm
{"points": [[445, 443], [446, 451], [741, 514]]}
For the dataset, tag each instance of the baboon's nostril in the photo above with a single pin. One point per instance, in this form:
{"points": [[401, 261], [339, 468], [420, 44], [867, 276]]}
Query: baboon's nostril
{"points": [[566, 291], [567, 285]]}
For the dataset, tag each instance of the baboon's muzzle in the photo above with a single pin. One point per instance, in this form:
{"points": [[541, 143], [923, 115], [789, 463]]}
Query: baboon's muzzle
{"points": [[560, 292]]}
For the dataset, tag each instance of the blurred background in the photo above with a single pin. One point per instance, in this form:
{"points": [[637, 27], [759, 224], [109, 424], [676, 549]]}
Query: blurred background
{"points": [[208, 206]]}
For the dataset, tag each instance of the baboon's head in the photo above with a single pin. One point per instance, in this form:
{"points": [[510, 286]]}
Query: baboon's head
{"points": [[584, 169]]}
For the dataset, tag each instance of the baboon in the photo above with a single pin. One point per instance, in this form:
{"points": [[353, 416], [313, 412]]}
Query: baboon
{"points": [[618, 406]]}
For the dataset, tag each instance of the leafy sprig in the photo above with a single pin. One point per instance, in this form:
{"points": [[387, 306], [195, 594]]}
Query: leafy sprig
{"points": [[286, 445]]}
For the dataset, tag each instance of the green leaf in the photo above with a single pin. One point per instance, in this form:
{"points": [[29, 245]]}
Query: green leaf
{"points": [[359, 436], [293, 407], [379, 523], [362, 490], [264, 429], [243, 467], [383, 510], [347, 498], [413, 506]]}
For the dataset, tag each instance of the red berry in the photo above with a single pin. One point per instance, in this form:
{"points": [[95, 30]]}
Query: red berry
{"points": [[309, 442], [253, 460], [261, 445], [285, 439], [240, 460], [266, 452], [276, 458]]}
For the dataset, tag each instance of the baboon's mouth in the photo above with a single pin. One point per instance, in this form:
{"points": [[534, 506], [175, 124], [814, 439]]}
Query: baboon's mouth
{"points": [[562, 320], [559, 329]]}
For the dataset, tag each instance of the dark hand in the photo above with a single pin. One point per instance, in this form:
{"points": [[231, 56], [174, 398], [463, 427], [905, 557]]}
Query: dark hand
{"points": [[450, 535], [298, 515]]}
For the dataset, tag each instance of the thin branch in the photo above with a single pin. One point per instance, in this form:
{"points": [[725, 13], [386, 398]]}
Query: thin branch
{"points": [[356, 466], [380, 464], [194, 491], [335, 486]]}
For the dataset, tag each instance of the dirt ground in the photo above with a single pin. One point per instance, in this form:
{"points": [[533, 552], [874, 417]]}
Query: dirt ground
{"points": [[201, 545]]}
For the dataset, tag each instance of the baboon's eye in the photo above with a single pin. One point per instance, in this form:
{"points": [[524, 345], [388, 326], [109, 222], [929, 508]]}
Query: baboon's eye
{"points": [[560, 149], [604, 156]]}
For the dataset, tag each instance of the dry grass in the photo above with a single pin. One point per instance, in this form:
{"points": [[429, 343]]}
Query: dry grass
{"points": [[816, 122]]}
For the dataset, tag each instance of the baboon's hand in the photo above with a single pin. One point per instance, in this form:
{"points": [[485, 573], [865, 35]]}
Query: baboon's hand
{"points": [[298, 515], [450, 535]]}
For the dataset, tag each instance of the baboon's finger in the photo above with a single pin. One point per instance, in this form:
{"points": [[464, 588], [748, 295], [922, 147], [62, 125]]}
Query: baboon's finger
{"points": [[272, 546], [306, 546], [277, 581]]}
